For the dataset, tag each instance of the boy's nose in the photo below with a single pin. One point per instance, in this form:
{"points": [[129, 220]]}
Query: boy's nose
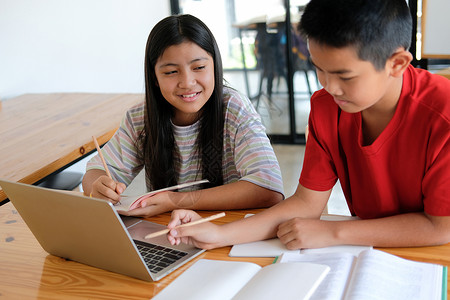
{"points": [[332, 87]]}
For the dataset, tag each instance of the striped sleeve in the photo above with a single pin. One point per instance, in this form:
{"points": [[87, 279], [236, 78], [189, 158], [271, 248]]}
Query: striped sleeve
{"points": [[248, 149], [120, 151]]}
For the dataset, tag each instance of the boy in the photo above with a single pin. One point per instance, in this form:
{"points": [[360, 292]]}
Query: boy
{"points": [[379, 125]]}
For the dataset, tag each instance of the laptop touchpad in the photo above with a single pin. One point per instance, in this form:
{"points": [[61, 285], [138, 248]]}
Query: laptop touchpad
{"points": [[129, 221]]}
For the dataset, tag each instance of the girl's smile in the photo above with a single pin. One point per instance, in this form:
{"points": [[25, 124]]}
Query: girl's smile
{"points": [[190, 97]]}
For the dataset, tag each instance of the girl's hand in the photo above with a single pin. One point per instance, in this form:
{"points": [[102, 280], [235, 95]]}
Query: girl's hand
{"points": [[206, 235], [163, 202], [106, 188], [300, 233], [154, 205]]}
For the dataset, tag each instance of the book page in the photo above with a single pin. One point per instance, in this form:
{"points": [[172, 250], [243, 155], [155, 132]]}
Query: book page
{"points": [[353, 249], [129, 202], [335, 283], [379, 275], [210, 279], [294, 281]]}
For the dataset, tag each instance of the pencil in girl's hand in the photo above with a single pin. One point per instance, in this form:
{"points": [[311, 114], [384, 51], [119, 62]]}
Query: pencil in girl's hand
{"points": [[199, 221], [101, 156]]}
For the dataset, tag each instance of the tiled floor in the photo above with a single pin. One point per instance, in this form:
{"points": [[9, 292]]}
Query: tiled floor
{"points": [[290, 158]]}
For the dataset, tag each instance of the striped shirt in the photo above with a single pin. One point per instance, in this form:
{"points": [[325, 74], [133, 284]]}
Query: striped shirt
{"points": [[247, 152]]}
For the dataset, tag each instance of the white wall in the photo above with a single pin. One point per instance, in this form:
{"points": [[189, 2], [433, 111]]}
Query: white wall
{"points": [[75, 45]]}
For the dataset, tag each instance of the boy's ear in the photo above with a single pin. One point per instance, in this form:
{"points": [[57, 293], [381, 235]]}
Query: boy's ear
{"points": [[399, 61]]}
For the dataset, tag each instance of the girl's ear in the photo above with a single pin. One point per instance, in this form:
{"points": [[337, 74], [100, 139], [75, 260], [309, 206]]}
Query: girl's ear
{"points": [[399, 61]]}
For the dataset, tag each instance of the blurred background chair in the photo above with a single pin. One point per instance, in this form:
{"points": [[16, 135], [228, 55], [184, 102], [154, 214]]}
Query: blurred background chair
{"points": [[271, 56], [64, 180]]}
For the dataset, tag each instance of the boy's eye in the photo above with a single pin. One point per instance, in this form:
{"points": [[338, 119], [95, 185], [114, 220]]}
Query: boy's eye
{"points": [[346, 78]]}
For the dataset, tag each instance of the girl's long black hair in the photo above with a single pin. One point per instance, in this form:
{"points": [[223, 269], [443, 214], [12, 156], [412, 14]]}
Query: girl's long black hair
{"points": [[157, 141]]}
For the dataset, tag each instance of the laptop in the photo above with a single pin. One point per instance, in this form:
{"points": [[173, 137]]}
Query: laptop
{"points": [[90, 231]]}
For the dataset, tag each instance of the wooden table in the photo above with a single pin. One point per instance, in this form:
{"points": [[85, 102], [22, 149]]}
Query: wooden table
{"points": [[42, 133], [27, 271]]}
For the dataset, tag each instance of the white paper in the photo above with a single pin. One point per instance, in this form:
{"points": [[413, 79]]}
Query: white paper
{"points": [[210, 279], [224, 280], [355, 250], [379, 275], [266, 248], [335, 283], [373, 275], [294, 281]]}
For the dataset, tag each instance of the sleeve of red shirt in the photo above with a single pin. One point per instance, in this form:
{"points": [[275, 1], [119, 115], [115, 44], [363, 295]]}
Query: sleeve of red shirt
{"points": [[319, 171]]}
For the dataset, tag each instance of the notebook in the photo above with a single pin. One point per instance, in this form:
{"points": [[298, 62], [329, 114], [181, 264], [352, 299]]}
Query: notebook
{"points": [[91, 232]]}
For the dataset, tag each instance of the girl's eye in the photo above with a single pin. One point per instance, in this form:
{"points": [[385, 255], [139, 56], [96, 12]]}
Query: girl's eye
{"points": [[169, 72], [346, 78], [199, 68]]}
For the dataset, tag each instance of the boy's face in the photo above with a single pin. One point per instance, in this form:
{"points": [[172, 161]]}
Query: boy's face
{"points": [[354, 84]]}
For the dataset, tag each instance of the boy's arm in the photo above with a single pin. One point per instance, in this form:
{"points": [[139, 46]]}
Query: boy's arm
{"points": [[405, 230], [304, 203], [296, 222]]}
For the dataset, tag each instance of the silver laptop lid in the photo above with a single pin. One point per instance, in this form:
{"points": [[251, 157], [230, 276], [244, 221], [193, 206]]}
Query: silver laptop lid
{"points": [[79, 228]]}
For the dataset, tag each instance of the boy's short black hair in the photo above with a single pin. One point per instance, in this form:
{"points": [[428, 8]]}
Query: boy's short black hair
{"points": [[376, 28]]}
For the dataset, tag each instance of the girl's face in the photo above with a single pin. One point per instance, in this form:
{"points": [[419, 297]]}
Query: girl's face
{"points": [[185, 75]]}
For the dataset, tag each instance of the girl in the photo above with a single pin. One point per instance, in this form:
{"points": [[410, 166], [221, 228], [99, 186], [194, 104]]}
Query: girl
{"points": [[190, 127]]}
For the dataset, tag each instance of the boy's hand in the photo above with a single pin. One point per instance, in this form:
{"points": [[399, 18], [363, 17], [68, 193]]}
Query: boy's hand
{"points": [[205, 235], [106, 188], [300, 233]]}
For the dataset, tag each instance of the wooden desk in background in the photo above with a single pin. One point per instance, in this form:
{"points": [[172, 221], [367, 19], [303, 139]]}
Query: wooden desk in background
{"points": [[27, 271], [444, 72], [42, 133]]}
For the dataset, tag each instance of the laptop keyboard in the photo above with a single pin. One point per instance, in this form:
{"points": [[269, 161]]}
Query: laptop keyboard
{"points": [[158, 257]]}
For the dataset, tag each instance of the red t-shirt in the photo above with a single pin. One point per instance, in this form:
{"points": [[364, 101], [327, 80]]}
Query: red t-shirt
{"points": [[406, 169]]}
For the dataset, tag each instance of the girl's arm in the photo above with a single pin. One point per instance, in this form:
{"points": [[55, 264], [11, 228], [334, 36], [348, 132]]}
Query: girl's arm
{"points": [[237, 195]]}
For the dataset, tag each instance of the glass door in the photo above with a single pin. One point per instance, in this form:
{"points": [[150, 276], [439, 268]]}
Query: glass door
{"points": [[264, 57]]}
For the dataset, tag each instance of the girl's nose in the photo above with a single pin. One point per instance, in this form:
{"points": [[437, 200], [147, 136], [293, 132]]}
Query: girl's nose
{"points": [[187, 80]]}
